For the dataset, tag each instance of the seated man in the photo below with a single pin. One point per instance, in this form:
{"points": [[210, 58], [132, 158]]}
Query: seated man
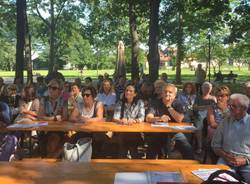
{"points": [[167, 109], [232, 137]]}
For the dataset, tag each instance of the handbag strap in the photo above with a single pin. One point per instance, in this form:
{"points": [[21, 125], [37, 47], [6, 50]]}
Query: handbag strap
{"points": [[84, 151]]}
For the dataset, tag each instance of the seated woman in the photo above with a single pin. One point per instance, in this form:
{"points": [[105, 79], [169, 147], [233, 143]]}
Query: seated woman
{"points": [[53, 108], [186, 99], [107, 97], [217, 113], [128, 111], [28, 104], [89, 110]]}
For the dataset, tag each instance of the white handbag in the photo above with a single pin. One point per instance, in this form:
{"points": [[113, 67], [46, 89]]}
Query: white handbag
{"points": [[79, 152]]}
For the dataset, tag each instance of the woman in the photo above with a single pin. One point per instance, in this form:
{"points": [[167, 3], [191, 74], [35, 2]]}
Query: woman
{"points": [[201, 104], [90, 109], [218, 111], [107, 97], [28, 104], [53, 108], [129, 110], [216, 115], [186, 99]]}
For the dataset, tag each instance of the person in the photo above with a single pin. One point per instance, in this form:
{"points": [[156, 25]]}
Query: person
{"points": [[75, 98], [231, 76], [215, 116], [90, 110], [200, 76], [130, 110], [201, 104], [218, 77], [108, 97], [120, 86], [167, 109], [231, 139], [187, 99], [2, 86], [41, 87], [28, 104], [54, 75], [158, 84], [247, 92], [88, 81], [66, 90], [164, 77], [53, 108]]}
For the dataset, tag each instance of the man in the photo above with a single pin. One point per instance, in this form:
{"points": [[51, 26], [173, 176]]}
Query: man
{"points": [[167, 109], [200, 76], [231, 141]]}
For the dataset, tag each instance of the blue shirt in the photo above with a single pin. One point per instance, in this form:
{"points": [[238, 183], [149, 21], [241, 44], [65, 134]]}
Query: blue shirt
{"points": [[233, 136]]}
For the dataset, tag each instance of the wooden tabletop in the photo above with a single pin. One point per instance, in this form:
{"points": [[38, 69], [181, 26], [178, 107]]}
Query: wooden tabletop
{"points": [[101, 127], [87, 173]]}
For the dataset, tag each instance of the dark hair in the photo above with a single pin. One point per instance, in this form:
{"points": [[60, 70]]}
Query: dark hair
{"points": [[30, 93], [75, 84], [135, 98], [88, 78], [91, 89], [192, 85]]}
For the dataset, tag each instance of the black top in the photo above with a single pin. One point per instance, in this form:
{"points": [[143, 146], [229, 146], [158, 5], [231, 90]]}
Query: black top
{"points": [[159, 109]]}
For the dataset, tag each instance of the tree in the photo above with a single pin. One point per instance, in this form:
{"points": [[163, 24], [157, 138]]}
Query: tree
{"points": [[153, 55], [20, 36]]}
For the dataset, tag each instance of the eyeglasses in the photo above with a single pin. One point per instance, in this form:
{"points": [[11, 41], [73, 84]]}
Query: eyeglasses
{"points": [[232, 106], [86, 94], [222, 95], [53, 88]]}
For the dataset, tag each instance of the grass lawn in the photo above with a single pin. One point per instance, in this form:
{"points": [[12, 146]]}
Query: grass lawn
{"points": [[187, 74]]}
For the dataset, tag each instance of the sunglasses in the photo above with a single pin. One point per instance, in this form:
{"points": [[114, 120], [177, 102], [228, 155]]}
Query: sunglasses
{"points": [[53, 88], [86, 94]]}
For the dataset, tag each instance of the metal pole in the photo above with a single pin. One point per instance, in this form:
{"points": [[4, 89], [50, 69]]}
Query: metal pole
{"points": [[209, 55]]}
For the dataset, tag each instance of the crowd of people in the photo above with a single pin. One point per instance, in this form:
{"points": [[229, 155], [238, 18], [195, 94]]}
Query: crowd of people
{"points": [[223, 115]]}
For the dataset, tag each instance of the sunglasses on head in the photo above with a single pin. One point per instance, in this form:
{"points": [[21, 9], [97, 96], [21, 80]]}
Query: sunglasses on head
{"points": [[53, 88], [86, 94]]}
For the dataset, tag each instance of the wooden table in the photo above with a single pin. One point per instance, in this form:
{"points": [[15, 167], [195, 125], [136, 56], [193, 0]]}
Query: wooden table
{"points": [[100, 127], [88, 173]]}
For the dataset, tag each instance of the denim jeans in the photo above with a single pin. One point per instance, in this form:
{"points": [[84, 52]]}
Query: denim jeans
{"points": [[158, 141], [243, 171]]}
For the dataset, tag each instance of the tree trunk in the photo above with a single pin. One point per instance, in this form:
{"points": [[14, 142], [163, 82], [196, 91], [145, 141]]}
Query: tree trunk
{"points": [[20, 36], [179, 55], [153, 55], [28, 49], [134, 40], [52, 37]]}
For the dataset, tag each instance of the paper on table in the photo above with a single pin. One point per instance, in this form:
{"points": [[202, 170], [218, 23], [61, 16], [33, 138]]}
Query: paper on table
{"points": [[33, 125], [147, 177], [204, 173], [159, 124], [187, 127]]}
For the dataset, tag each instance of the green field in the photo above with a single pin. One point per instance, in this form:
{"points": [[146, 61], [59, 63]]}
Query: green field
{"points": [[187, 74]]}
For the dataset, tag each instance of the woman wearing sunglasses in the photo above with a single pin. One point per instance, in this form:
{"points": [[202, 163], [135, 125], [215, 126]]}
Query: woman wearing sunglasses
{"points": [[130, 110], [217, 113], [89, 109]]}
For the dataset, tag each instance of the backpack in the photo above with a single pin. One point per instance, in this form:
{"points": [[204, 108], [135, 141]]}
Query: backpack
{"points": [[224, 177], [8, 142]]}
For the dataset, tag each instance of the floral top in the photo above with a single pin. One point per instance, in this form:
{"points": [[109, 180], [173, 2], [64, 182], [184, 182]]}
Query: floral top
{"points": [[135, 111]]}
